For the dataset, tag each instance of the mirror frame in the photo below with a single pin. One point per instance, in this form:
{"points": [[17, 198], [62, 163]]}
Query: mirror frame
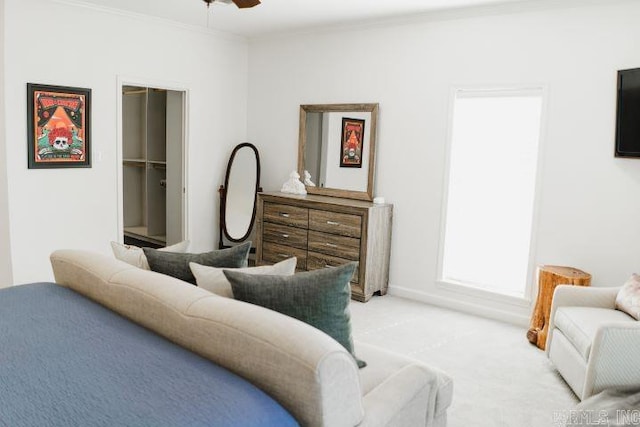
{"points": [[223, 197], [302, 142]]}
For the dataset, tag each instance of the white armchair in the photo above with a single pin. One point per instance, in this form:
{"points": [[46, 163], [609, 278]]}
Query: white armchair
{"points": [[593, 345]]}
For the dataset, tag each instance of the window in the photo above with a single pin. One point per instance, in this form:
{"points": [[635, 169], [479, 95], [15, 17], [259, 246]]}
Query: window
{"points": [[491, 189]]}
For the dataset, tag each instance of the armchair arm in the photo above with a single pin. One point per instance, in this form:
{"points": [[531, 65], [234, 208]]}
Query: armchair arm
{"points": [[579, 296], [399, 391], [405, 398], [584, 296], [614, 358]]}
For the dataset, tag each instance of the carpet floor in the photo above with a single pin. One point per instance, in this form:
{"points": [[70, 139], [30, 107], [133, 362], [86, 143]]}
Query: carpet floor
{"points": [[499, 378]]}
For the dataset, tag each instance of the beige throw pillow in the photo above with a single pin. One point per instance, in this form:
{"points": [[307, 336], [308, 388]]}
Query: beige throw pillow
{"points": [[213, 279], [628, 298], [135, 256]]}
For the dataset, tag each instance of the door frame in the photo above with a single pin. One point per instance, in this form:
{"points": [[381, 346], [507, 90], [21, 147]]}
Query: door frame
{"points": [[158, 84]]}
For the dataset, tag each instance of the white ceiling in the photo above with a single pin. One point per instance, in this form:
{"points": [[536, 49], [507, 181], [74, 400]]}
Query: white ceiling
{"points": [[277, 16]]}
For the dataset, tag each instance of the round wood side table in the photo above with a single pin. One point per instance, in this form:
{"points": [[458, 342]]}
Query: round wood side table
{"points": [[550, 276]]}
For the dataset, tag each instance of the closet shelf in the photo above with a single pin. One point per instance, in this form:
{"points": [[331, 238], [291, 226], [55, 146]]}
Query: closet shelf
{"points": [[137, 163], [142, 233], [157, 165]]}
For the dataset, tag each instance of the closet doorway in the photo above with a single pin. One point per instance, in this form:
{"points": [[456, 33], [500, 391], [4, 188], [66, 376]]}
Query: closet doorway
{"points": [[153, 171]]}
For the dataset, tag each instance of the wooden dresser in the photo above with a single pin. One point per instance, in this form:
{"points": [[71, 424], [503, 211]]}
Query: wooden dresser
{"points": [[323, 232]]}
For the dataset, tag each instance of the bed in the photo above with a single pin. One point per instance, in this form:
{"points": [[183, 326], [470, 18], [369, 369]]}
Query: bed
{"points": [[66, 360]]}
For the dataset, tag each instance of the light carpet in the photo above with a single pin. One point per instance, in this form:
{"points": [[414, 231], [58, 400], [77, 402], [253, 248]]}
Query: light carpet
{"points": [[499, 378]]}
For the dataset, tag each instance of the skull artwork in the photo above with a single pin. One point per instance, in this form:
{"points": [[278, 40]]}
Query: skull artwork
{"points": [[60, 139]]}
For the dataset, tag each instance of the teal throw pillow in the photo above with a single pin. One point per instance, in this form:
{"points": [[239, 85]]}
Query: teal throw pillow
{"points": [[319, 298], [176, 264]]}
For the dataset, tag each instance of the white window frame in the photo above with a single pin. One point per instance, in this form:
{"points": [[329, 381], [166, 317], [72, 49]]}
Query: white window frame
{"points": [[463, 289]]}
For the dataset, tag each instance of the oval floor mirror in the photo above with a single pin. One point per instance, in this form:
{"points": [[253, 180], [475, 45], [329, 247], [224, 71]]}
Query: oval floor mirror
{"points": [[238, 195]]}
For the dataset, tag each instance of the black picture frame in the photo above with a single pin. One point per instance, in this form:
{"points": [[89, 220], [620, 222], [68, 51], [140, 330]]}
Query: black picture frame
{"points": [[628, 109], [58, 126], [352, 143]]}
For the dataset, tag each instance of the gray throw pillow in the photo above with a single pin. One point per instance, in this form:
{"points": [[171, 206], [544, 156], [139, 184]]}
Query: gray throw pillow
{"points": [[177, 264], [319, 298]]}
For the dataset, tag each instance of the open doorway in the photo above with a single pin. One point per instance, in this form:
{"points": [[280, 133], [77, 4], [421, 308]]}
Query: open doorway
{"points": [[153, 185]]}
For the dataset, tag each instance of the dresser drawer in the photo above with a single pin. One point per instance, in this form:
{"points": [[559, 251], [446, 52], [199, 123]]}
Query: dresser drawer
{"points": [[285, 235], [335, 223], [330, 244], [335, 230], [317, 260], [286, 215], [273, 253]]}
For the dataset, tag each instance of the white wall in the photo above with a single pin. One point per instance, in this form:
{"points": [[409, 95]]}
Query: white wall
{"points": [[589, 207], [56, 43], [5, 254]]}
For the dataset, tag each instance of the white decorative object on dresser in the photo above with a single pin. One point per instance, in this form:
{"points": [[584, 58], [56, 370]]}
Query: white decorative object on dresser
{"points": [[324, 232]]}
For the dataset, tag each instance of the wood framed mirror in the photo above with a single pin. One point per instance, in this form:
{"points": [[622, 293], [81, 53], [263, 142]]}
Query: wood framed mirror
{"points": [[238, 194], [337, 146]]}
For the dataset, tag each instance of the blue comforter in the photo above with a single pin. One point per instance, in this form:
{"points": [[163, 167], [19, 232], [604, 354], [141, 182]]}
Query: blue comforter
{"points": [[67, 361]]}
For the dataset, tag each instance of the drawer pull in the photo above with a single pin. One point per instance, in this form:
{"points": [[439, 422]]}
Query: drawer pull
{"points": [[331, 245], [328, 266], [284, 255], [285, 236], [333, 223], [285, 215]]}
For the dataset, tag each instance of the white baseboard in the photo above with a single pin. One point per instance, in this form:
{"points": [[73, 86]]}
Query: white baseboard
{"points": [[518, 317]]}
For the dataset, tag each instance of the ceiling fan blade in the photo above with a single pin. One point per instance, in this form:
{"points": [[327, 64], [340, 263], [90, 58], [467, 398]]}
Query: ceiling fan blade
{"points": [[242, 4]]}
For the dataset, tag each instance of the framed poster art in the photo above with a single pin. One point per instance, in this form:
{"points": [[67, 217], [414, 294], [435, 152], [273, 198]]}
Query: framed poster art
{"points": [[351, 147], [58, 120]]}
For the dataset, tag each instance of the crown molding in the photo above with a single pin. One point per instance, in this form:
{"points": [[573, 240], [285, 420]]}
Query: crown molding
{"points": [[498, 9], [153, 19]]}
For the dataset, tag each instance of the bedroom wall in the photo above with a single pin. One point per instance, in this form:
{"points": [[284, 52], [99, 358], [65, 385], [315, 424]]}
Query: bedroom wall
{"points": [[5, 253], [57, 42], [589, 205]]}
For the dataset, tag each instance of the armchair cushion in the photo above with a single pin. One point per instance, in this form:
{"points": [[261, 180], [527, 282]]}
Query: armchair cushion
{"points": [[628, 298], [580, 324]]}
